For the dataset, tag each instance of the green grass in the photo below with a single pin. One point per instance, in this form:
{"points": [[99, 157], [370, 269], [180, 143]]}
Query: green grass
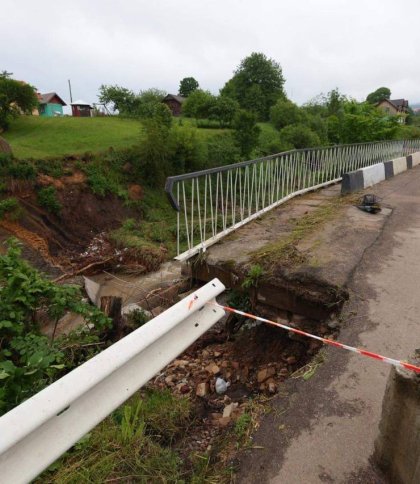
{"points": [[132, 445], [36, 137]]}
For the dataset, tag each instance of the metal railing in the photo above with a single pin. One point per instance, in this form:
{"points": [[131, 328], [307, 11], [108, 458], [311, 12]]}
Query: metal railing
{"points": [[34, 434], [212, 203]]}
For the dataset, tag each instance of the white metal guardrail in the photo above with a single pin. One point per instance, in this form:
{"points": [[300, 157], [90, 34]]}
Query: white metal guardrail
{"points": [[212, 203], [34, 434]]}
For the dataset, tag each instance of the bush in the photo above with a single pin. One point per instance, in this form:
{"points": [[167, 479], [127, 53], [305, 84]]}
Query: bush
{"points": [[299, 136], [47, 198], [28, 360], [246, 132], [104, 180], [222, 150], [188, 151], [269, 141], [198, 104], [9, 206], [20, 169], [284, 113]]}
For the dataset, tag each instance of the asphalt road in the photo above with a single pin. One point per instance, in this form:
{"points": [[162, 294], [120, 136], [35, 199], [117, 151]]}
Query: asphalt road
{"points": [[323, 429]]}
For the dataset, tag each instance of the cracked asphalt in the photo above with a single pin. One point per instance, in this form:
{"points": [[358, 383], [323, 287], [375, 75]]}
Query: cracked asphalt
{"points": [[323, 429]]}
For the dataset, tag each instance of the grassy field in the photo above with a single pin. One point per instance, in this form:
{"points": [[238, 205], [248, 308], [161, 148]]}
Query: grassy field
{"points": [[31, 136], [36, 137]]}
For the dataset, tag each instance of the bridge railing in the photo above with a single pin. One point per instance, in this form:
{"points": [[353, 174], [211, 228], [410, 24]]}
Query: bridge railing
{"points": [[212, 203]]}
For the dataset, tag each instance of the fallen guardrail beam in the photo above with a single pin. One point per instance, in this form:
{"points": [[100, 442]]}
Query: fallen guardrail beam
{"points": [[38, 431]]}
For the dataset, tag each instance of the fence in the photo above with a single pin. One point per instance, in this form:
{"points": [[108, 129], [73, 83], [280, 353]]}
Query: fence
{"points": [[34, 434], [212, 203]]}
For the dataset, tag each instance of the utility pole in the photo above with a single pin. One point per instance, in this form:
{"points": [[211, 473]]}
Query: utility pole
{"points": [[71, 97]]}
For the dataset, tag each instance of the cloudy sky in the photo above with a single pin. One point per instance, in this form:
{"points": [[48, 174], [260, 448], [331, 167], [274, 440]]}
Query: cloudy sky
{"points": [[354, 45]]}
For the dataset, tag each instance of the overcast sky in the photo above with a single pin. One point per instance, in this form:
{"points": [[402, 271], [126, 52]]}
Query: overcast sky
{"points": [[354, 45]]}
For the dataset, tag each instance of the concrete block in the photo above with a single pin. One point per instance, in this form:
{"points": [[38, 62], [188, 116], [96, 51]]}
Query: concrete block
{"points": [[400, 165], [397, 448], [373, 174], [416, 158], [409, 162], [352, 182], [389, 169]]}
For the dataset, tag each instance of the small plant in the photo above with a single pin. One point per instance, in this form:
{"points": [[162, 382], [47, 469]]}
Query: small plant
{"points": [[10, 207], [47, 198], [242, 425], [137, 318], [28, 359], [129, 224], [253, 276]]}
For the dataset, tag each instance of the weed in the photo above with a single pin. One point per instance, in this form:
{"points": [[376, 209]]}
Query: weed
{"points": [[252, 278], [242, 425], [137, 318], [308, 371], [10, 207], [129, 445], [47, 198]]}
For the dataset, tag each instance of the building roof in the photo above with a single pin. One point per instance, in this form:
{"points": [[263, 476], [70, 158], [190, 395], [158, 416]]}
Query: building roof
{"points": [[387, 101], [81, 103], [179, 99], [399, 102], [46, 98]]}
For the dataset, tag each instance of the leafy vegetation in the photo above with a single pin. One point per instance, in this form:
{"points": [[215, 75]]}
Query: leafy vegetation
{"points": [[257, 84], [28, 360], [379, 95], [15, 98], [47, 198], [187, 86], [9, 207]]}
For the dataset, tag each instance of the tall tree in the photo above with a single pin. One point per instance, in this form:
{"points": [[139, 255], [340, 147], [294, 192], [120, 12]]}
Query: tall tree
{"points": [[16, 97], [246, 132], [119, 98], [199, 104], [379, 95], [187, 86], [257, 84]]}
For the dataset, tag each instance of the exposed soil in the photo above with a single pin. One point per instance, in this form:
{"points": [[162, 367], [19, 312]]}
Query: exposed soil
{"points": [[76, 237], [255, 362]]}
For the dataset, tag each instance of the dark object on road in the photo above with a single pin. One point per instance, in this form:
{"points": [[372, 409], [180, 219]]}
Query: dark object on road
{"points": [[370, 203]]}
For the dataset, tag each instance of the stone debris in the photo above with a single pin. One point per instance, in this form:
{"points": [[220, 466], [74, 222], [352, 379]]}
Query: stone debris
{"points": [[265, 373], [202, 389], [213, 368]]}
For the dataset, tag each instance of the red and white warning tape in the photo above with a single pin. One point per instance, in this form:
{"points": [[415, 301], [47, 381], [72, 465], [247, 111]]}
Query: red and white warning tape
{"points": [[391, 361]]}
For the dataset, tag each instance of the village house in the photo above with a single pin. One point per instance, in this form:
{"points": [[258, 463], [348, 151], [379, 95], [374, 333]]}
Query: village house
{"points": [[50, 104], [394, 107], [81, 109], [174, 103]]}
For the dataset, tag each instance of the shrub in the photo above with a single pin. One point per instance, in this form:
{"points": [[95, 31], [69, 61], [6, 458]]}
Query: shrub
{"points": [[187, 151], [285, 112], [28, 360], [299, 136], [246, 132], [20, 169], [9, 206], [47, 198], [222, 150]]}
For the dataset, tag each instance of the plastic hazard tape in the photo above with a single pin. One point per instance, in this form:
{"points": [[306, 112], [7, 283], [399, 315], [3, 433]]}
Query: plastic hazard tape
{"points": [[375, 356]]}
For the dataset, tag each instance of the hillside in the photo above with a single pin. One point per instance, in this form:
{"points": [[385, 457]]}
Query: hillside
{"points": [[37, 137]]}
